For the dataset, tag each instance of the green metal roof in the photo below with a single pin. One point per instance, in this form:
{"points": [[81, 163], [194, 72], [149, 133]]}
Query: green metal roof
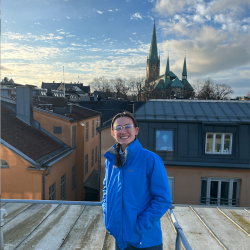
{"points": [[187, 85], [176, 83]]}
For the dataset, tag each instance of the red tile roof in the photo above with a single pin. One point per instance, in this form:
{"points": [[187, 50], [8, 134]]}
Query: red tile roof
{"points": [[30, 141]]}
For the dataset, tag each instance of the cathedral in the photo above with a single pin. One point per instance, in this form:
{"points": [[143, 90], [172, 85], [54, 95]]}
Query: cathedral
{"points": [[167, 85]]}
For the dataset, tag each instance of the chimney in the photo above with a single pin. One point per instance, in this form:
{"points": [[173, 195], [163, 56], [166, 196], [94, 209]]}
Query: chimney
{"points": [[24, 99]]}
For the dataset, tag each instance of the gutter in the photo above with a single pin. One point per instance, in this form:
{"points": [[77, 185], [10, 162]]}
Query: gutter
{"points": [[206, 164], [19, 153]]}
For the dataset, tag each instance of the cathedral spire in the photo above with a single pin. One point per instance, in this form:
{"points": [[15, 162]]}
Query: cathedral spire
{"points": [[167, 72], [153, 55], [184, 71]]}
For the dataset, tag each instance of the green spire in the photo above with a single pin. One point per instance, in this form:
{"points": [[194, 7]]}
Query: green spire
{"points": [[153, 55], [184, 71], [167, 72]]}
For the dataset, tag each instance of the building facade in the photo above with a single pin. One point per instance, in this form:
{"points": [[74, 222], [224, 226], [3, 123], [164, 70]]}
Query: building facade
{"points": [[204, 146]]}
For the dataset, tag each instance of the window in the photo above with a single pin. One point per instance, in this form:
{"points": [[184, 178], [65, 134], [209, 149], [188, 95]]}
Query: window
{"points": [[96, 154], [4, 164], [220, 191], [171, 185], [93, 128], [96, 126], [57, 130], [164, 140], [217, 143], [63, 187], [87, 131], [92, 158], [52, 192], [74, 136], [86, 164], [73, 177]]}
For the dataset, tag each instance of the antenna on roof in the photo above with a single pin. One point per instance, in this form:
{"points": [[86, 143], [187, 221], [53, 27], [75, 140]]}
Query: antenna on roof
{"points": [[63, 83]]}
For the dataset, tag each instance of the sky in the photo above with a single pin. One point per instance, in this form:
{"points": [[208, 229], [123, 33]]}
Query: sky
{"points": [[111, 38]]}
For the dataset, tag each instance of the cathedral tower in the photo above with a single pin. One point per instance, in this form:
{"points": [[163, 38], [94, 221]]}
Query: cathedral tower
{"points": [[153, 60]]}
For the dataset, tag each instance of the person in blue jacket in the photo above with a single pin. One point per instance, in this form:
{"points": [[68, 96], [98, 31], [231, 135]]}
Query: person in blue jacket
{"points": [[136, 191]]}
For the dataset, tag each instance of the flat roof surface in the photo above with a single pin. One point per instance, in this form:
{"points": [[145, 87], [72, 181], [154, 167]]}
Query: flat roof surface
{"points": [[194, 110], [52, 226]]}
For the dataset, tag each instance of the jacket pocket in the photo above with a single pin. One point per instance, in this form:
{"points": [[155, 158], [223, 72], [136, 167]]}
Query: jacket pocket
{"points": [[129, 228]]}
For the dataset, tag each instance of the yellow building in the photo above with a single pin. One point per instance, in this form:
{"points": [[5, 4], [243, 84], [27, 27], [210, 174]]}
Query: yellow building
{"points": [[48, 154]]}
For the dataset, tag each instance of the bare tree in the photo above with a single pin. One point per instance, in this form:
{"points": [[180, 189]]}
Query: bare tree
{"points": [[248, 93], [103, 85], [121, 88], [222, 91], [211, 90], [135, 85]]}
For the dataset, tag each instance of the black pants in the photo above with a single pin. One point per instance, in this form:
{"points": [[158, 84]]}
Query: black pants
{"points": [[129, 247]]}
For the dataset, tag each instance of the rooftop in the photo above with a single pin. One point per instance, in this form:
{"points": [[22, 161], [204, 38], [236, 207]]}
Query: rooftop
{"points": [[61, 226], [110, 108], [194, 110], [78, 113], [28, 140]]}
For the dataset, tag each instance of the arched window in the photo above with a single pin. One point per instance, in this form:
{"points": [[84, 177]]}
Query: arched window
{"points": [[4, 164]]}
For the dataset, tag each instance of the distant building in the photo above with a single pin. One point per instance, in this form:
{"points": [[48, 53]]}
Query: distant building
{"points": [[68, 86], [167, 85]]}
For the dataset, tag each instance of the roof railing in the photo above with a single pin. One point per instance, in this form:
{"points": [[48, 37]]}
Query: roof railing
{"points": [[180, 237]]}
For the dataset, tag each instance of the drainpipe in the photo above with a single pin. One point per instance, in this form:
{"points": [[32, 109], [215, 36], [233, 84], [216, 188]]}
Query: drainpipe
{"points": [[44, 178], [3, 212], [99, 166]]}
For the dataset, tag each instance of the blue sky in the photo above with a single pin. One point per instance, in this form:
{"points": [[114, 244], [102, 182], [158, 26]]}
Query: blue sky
{"points": [[111, 38]]}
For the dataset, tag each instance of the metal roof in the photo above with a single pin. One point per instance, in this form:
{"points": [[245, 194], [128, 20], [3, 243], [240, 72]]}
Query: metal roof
{"points": [[54, 226], [194, 111]]}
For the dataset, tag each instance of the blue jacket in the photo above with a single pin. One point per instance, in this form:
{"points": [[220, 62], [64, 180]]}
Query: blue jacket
{"points": [[135, 197]]}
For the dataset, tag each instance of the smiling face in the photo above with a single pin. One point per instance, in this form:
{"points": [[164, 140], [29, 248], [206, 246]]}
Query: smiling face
{"points": [[125, 136]]}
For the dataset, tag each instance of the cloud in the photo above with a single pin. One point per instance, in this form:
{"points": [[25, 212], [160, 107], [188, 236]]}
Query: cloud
{"points": [[211, 51], [15, 51], [225, 4], [70, 35], [38, 23], [133, 33], [67, 17], [78, 45], [110, 10], [94, 49], [98, 11], [62, 32], [166, 7], [136, 16], [29, 37]]}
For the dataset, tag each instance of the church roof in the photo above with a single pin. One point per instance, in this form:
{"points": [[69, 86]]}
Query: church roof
{"points": [[172, 75], [176, 83], [187, 85], [153, 54]]}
